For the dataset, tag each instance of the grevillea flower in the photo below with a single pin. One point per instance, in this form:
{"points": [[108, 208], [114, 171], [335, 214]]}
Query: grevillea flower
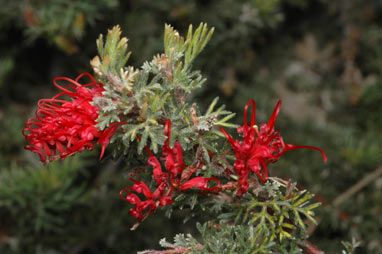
{"points": [[153, 200], [64, 127], [175, 166], [259, 147], [174, 156], [175, 180]]}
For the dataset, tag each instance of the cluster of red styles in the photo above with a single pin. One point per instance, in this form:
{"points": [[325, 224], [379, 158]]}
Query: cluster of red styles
{"points": [[64, 127]]}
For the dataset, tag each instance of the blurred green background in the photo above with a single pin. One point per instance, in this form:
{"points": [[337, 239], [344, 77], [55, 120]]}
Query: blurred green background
{"points": [[322, 58]]}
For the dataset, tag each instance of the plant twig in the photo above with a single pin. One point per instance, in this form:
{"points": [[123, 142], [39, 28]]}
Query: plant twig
{"points": [[311, 249], [176, 250], [357, 187], [344, 196]]}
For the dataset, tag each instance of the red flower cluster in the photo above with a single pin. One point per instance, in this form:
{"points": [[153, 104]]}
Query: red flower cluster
{"points": [[67, 126], [176, 179], [259, 147]]}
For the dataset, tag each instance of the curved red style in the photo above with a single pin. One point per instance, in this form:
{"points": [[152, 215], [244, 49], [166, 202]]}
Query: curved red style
{"points": [[64, 127]]}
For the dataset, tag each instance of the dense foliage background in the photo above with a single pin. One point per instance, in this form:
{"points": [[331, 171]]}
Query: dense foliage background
{"points": [[322, 58]]}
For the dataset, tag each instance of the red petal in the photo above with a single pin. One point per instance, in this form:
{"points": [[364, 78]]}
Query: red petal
{"points": [[272, 120], [230, 139], [252, 116], [141, 187], [47, 149], [178, 153], [174, 160], [167, 129], [169, 162], [243, 182], [37, 150], [60, 147], [200, 183], [105, 137], [131, 198], [167, 200], [137, 213], [158, 174], [161, 188], [263, 174]]}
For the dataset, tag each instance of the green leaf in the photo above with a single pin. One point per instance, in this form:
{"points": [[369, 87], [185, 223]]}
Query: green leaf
{"points": [[212, 105]]}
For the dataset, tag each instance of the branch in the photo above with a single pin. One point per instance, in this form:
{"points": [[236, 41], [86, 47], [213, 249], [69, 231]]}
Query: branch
{"points": [[357, 187], [176, 250], [311, 249]]}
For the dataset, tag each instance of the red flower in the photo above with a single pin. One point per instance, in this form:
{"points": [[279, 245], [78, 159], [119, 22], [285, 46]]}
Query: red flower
{"points": [[157, 199], [174, 156], [259, 147], [175, 165], [169, 182], [64, 127]]}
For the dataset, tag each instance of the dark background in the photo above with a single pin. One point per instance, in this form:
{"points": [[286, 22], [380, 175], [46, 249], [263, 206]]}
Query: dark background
{"points": [[322, 58]]}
